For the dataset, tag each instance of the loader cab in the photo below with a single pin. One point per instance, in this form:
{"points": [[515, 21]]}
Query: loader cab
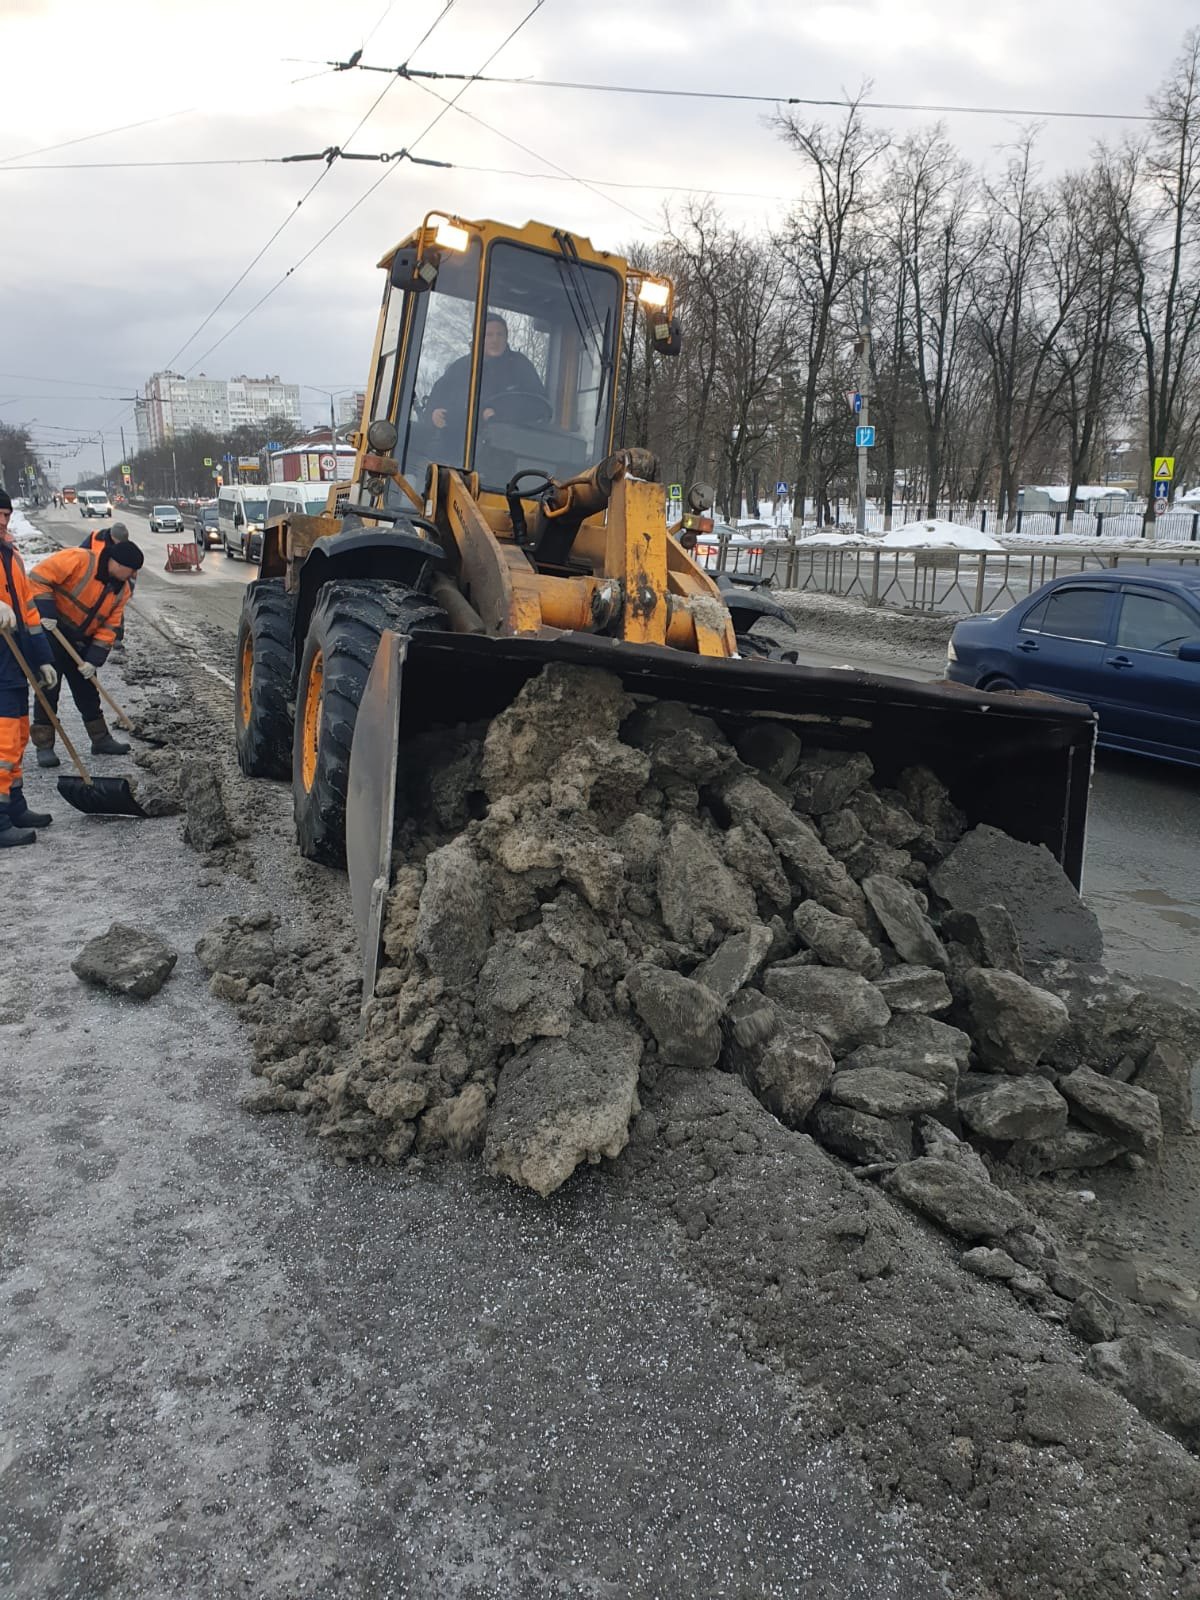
{"points": [[506, 363]]}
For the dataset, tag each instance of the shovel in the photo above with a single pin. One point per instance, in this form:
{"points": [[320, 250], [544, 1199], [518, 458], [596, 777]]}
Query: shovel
{"points": [[122, 716], [100, 797]]}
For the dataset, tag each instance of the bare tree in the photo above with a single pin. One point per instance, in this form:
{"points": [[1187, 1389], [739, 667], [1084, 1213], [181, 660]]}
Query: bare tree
{"points": [[822, 248], [1159, 219]]}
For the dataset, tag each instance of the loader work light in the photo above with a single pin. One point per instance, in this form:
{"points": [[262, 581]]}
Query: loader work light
{"points": [[450, 236], [654, 294]]}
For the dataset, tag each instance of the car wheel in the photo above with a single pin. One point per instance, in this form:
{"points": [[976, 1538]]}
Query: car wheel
{"points": [[1000, 685]]}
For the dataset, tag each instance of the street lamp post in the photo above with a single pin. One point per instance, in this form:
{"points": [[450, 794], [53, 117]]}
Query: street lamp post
{"points": [[330, 394]]}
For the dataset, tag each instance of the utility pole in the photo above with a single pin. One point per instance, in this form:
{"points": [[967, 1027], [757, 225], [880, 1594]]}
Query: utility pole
{"points": [[175, 472], [103, 462], [863, 346], [124, 457]]}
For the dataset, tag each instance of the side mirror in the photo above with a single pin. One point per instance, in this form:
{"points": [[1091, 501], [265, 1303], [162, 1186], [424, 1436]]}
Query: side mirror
{"points": [[411, 273], [1189, 650]]}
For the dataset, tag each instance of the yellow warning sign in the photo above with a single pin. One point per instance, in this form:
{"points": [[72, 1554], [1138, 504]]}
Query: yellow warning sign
{"points": [[1164, 468]]}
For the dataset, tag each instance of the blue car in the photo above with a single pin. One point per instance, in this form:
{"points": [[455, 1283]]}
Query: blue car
{"points": [[1127, 642]]}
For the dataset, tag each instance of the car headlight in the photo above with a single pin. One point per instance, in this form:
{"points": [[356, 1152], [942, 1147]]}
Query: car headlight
{"points": [[951, 654]]}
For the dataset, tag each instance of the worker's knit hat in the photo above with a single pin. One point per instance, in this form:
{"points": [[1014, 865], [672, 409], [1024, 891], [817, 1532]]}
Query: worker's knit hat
{"points": [[118, 533], [5, 501], [126, 554]]}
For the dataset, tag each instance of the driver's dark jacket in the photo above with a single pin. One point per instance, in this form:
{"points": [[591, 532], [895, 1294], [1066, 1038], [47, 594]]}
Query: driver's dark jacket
{"points": [[508, 371]]}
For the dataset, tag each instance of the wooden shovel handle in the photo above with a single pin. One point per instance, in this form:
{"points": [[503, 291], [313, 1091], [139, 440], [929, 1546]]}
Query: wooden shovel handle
{"points": [[122, 717], [45, 705]]}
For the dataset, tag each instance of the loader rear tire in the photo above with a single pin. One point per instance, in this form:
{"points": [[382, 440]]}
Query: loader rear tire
{"points": [[265, 690], [344, 631]]}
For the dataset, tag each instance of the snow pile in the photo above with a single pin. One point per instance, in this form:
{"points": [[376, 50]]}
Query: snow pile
{"points": [[835, 539], [931, 534], [935, 534]]}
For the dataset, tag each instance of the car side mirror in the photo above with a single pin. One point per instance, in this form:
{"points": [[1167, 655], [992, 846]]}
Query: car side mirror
{"points": [[1189, 650]]}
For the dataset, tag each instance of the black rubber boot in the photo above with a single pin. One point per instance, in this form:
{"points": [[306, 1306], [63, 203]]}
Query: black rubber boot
{"points": [[20, 813], [10, 835], [43, 742], [103, 743]]}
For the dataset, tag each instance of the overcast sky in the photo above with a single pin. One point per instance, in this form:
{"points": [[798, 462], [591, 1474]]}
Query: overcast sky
{"points": [[105, 273]]}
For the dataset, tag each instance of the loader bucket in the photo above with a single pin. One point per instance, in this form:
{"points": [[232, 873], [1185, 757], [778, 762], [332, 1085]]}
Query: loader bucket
{"points": [[1020, 762]]}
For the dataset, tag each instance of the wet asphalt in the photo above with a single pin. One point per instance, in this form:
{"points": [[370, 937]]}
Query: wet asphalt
{"points": [[234, 1369]]}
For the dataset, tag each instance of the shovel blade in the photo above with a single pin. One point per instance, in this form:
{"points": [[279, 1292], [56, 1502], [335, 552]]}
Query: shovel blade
{"points": [[102, 797]]}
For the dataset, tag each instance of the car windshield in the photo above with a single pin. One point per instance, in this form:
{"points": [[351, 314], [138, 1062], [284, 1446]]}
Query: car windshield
{"points": [[165, 511], [256, 506]]}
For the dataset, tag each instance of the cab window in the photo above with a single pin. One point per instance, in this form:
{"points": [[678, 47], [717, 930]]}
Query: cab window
{"points": [[431, 410], [544, 385]]}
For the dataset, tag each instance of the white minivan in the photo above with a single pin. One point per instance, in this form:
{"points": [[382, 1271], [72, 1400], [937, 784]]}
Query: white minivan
{"points": [[297, 499], [241, 511], [94, 503]]}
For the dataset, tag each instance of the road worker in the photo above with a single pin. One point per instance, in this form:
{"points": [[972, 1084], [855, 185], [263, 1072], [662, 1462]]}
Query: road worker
{"points": [[19, 621], [103, 538], [82, 592]]}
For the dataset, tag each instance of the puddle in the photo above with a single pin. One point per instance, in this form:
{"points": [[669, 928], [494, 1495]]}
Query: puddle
{"points": [[1166, 905], [1183, 914]]}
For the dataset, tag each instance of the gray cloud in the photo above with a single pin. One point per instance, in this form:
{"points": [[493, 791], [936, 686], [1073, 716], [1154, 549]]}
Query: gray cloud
{"points": [[107, 272]]}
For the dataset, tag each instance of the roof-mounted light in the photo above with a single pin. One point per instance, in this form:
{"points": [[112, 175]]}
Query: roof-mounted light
{"points": [[654, 294], [450, 236]]}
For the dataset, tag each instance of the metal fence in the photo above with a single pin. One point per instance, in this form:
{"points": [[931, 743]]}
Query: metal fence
{"points": [[942, 580], [1177, 526]]}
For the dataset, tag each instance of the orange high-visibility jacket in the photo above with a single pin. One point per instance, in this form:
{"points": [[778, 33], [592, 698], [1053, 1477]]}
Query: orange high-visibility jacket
{"points": [[67, 585], [17, 591]]}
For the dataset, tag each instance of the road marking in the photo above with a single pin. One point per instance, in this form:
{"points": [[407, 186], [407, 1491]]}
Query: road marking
{"points": [[228, 682]]}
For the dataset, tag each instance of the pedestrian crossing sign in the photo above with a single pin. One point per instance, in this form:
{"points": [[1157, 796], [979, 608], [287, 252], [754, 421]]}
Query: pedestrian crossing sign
{"points": [[1164, 468]]}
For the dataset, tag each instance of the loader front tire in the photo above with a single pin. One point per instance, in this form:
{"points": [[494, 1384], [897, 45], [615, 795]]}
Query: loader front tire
{"points": [[265, 689], [347, 623]]}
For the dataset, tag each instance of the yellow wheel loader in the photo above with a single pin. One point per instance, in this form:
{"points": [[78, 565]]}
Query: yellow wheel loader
{"points": [[491, 527]]}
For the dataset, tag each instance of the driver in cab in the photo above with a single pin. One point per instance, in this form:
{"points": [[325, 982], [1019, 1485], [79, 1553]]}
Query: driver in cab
{"points": [[505, 371]]}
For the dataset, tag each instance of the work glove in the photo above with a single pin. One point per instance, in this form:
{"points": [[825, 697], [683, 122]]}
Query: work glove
{"points": [[50, 624], [8, 617], [48, 676], [87, 670]]}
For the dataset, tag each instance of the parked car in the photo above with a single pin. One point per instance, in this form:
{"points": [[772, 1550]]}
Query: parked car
{"points": [[166, 519], [1126, 642], [207, 526], [94, 503]]}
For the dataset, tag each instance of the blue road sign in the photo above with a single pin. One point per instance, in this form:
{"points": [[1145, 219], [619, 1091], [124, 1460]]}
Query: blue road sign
{"points": [[226, 458], [864, 438], [781, 488], [1162, 491], [857, 404], [274, 444]]}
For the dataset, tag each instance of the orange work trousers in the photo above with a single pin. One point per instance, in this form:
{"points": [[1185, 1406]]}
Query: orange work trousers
{"points": [[14, 736]]}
